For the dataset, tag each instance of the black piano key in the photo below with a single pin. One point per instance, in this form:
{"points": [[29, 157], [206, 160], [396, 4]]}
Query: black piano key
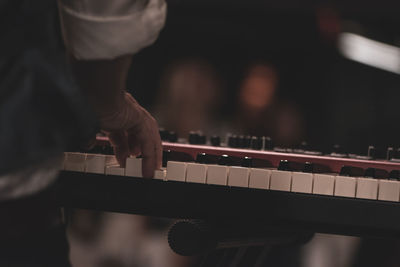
{"points": [[284, 165], [247, 162], [169, 155], [108, 150], [165, 157], [225, 160], [376, 173], [94, 150], [205, 158], [261, 163], [201, 158], [370, 172], [308, 167], [351, 171], [394, 175]]}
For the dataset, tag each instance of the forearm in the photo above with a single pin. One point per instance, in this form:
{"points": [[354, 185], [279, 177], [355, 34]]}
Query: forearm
{"points": [[102, 81], [97, 33]]}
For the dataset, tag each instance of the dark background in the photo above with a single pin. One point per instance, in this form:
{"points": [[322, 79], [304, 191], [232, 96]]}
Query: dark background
{"points": [[343, 102]]}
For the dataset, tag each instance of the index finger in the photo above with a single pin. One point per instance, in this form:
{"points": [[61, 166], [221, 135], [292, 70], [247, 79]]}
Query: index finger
{"points": [[149, 154]]}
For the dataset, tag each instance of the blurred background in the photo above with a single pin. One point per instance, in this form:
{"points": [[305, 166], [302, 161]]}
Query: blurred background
{"points": [[318, 71]]}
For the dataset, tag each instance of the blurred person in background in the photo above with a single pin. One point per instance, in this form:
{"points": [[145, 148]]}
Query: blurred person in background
{"points": [[260, 112], [43, 111], [190, 97]]}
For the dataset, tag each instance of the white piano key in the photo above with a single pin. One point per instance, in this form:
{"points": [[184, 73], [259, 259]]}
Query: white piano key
{"points": [[302, 182], [389, 190], [280, 180], [259, 178], [324, 184], [176, 171], [345, 186], [133, 167], [238, 176], [74, 161], [95, 163], [160, 174], [111, 160], [115, 170], [367, 188], [217, 174], [196, 173]]}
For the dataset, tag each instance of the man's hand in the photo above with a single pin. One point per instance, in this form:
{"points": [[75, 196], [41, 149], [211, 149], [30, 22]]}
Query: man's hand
{"points": [[133, 131]]}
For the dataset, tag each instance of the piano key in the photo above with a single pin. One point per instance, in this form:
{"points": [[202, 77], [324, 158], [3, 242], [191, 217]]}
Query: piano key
{"points": [[238, 176], [74, 161], [376, 173], [107, 150], [95, 163], [217, 174], [196, 173], [176, 171], [394, 175], [228, 161], [280, 180], [308, 167], [367, 188], [351, 171], [133, 167], [111, 160], [302, 182], [324, 184], [389, 190], [259, 178], [115, 170], [160, 174], [169, 155], [247, 162], [345, 186], [285, 165]]}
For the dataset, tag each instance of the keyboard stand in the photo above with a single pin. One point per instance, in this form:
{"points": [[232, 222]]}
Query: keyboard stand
{"points": [[294, 211]]}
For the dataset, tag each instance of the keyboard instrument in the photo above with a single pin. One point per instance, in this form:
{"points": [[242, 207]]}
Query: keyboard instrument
{"points": [[290, 188]]}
